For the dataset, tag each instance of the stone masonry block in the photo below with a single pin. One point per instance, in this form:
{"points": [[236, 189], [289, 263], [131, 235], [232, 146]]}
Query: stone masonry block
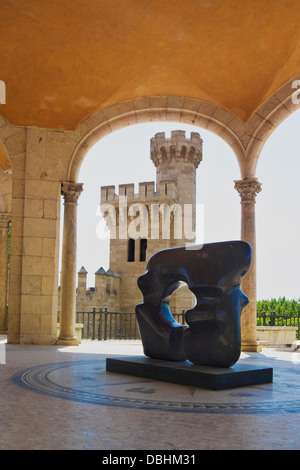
{"points": [[15, 281], [31, 285], [32, 246], [18, 187], [30, 324], [49, 285], [50, 246], [37, 305], [17, 227], [34, 208], [49, 325], [41, 266], [40, 228], [42, 189], [18, 207], [51, 209], [15, 266], [16, 247]]}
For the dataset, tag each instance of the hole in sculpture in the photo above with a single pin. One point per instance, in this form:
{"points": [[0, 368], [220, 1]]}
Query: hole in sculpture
{"points": [[181, 300]]}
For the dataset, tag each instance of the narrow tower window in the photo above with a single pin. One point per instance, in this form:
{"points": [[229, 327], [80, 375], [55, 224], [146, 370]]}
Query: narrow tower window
{"points": [[131, 246], [143, 249]]}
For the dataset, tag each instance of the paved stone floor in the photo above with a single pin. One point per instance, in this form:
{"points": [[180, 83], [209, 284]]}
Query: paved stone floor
{"points": [[56, 398]]}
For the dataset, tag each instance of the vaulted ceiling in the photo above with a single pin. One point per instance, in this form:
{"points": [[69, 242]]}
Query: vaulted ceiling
{"points": [[62, 60]]}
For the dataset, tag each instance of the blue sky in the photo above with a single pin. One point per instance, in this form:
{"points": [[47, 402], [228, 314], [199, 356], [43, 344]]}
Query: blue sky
{"points": [[124, 157]]}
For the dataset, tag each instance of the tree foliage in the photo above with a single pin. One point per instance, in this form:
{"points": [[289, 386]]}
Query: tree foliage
{"points": [[281, 306]]}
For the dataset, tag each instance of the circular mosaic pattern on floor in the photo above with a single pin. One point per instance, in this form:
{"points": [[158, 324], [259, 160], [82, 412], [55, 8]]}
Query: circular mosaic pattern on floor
{"points": [[88, 382]]}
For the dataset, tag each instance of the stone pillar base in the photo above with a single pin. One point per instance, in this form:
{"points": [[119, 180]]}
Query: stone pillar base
{"points": [[67, 341], [73, 341], [251, 347]]}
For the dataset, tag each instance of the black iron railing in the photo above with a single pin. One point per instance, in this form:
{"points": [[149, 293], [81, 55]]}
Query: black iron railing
{"points": [[99, 324], [274, 319], [103, 325]]}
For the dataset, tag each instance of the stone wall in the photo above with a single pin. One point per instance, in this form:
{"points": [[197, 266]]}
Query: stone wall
{"points": [[105, 293], [277, 335]]}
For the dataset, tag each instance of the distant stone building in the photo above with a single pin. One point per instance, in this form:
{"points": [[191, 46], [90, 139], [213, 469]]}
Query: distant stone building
{"points": [[161, 215]]}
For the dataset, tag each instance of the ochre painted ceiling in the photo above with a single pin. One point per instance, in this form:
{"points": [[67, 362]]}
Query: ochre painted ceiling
{"points": [[62, 60], [4, 161]]}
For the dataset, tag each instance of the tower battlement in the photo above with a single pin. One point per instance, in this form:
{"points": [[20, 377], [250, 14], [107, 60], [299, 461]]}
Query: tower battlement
{"points": [[147, 192], [177, 147]]}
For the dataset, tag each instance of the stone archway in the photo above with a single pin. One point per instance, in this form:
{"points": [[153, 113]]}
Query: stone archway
{"points": [[43, 159], [245, 139], [168, 109]]}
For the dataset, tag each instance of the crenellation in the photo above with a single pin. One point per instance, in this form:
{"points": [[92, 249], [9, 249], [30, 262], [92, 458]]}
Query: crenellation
{"points": [[177, 147], [108, 193], [167, 189], [148, 191], [126, 190]]}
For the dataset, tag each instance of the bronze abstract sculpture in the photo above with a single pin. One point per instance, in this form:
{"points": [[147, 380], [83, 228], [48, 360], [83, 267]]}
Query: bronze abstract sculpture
{"points": [[213, 272]]}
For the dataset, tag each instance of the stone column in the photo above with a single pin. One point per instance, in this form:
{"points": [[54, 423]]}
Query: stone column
{"points": [[248, 189], [71, 193], [4, 225]]}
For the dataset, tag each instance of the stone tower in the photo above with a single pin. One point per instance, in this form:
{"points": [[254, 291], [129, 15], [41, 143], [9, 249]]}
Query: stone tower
{"points": [[176, 159], [159, 216]]}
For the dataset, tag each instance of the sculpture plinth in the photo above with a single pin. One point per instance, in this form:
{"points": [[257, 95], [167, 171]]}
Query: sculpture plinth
{"points": [[192, 375]]}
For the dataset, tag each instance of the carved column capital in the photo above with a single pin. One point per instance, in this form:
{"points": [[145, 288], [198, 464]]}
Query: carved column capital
{"points": [[5, 219], [248, 188], [71, 191]]}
